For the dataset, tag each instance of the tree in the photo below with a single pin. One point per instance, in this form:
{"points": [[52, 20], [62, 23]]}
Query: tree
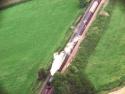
{"points": [[42, 74], [60, 84], [83, 3]]}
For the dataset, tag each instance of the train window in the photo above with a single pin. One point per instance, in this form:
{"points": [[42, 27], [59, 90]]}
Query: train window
{"points": [[95, 4]]}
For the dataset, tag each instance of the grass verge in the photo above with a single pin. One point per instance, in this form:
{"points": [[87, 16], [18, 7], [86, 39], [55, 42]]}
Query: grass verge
{"points": [[106, 66]]}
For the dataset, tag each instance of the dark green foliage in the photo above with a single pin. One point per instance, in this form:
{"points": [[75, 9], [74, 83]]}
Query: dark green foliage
{"points": [[60, 84], [42, 74], [82, 3], [2, 89], [72, 83], [79, 84]]}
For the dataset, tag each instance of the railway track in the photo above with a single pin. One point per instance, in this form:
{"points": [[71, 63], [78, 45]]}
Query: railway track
{"points": [[77, 37], [76, 48]]}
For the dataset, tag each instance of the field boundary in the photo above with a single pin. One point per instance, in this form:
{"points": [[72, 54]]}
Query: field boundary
{"points": [[8, 3]]}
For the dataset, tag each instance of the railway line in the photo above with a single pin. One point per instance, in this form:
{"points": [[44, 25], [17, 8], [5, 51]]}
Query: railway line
{"points": [[64, 58]]}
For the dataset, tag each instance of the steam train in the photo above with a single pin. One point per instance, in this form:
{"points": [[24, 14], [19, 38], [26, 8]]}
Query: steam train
{"points": [[88, 15], [63, 56]]}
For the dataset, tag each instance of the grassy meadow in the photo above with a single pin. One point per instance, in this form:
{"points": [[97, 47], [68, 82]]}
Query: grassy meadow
{"points": [[106, 66], [29, 34]]}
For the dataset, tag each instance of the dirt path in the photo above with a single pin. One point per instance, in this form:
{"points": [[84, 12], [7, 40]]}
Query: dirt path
{"points": [[120, 91]]}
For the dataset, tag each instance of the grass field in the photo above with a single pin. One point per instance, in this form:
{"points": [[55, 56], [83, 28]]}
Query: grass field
{"points": [[106, 66], [29, 34]]}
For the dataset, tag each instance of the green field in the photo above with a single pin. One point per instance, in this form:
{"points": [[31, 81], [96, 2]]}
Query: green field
{"points": [[29, 34], [106, 66]]}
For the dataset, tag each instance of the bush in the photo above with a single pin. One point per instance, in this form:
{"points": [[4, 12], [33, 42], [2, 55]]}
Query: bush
{"points": [[83, 3], [42, 74]]}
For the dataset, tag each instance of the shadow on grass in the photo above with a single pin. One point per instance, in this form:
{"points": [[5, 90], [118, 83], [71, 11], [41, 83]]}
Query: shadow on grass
{"points": [[122, 3], [3, 90]]}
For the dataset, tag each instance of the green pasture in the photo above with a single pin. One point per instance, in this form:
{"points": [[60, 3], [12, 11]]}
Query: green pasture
{"points": [[106, 66], [29, 34]]}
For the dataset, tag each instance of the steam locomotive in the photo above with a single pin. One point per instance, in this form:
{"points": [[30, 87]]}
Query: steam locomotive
{"points": [[72, 43]]}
